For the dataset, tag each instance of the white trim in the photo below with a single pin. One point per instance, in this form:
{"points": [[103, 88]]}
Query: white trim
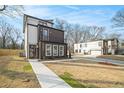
{"points": [[61, 51], [55, 51], [48, 50]]}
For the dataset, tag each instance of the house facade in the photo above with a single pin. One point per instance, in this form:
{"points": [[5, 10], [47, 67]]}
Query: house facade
{"points": [[99, 47], [42, 41], [121, 47]]}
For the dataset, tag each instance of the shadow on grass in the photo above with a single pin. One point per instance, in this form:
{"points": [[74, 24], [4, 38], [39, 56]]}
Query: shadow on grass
{"points": [[81, 65], [16, 75]]}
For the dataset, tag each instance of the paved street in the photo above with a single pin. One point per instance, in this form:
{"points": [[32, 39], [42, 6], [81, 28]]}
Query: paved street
{"points": [[101, 60]]}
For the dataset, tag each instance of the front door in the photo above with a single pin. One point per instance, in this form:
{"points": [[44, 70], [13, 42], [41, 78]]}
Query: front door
{"points": [[32, 51]]}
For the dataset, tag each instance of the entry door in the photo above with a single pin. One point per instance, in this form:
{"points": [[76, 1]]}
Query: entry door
{"points": [[32, 51]]}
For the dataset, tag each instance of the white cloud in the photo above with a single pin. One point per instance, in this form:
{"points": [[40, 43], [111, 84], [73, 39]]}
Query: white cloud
{"points": [[37, 11], [72, 7]]}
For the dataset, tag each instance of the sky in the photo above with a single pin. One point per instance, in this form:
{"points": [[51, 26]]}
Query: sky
{"points": [[80, 14]]}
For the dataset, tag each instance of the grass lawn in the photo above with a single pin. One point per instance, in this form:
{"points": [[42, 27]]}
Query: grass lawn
{"points": [[87, 74], [114, 57], [10, 52], [15, 72]]}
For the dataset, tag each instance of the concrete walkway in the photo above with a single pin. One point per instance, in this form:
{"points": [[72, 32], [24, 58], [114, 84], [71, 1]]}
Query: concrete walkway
{"points": [[46, 77]]}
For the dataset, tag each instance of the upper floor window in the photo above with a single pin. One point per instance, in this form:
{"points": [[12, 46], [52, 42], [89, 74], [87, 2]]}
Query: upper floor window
{"points": [[45, 34], [99, 43]]}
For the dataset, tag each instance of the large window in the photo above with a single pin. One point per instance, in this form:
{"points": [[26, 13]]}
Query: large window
{"points": [[45, 34], [48, 50], [61, 50], [76, 51], [55, 50]]}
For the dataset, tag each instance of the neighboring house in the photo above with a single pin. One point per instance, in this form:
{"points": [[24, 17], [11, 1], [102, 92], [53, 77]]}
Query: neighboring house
{"points": [[121, 47], [42, 40], [100, 47]]}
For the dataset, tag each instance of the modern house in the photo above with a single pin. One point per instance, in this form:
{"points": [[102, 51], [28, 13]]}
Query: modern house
{"points": [[42, 41], [121, 47], [99, 47]]}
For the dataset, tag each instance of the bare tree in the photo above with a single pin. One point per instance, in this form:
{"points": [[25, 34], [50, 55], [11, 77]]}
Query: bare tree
{"points": [[11, 10], [118, 19], [14, 36], [4, 32], [2, 7], [76, 34], [9, 35], [96, 32], [112, 35], [60, 24]]}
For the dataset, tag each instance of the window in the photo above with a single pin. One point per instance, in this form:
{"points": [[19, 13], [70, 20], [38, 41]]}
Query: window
{"points": [[48, 49], [55, 50], [79, 50], [61, 50], [76, 51], [45, 34], [80, 45], [85, 45], [99, 43]]}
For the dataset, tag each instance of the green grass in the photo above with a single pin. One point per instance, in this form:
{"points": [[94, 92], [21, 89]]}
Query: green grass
{"points": [[27, 68], [68, 78]]}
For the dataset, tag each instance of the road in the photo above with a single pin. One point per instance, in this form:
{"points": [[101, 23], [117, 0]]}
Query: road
{"points": [[102, 60]]}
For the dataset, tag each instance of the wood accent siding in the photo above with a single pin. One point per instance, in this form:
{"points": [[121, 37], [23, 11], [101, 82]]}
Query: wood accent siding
{"points": [[54, 35]]}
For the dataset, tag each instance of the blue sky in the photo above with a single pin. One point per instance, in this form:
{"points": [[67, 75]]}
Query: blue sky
{"points": [[84, 15]]}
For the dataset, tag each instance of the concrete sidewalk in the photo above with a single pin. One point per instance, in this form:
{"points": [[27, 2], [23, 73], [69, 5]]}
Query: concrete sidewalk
{"points": [[46, 77]]}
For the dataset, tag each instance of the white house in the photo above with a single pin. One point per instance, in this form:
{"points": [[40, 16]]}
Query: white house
{"points": [[121, 47], [99, 47]]}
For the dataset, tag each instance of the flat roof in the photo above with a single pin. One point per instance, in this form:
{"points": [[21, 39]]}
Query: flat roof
{"points": [[51, 27], [98, 40], [49, 21]]}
